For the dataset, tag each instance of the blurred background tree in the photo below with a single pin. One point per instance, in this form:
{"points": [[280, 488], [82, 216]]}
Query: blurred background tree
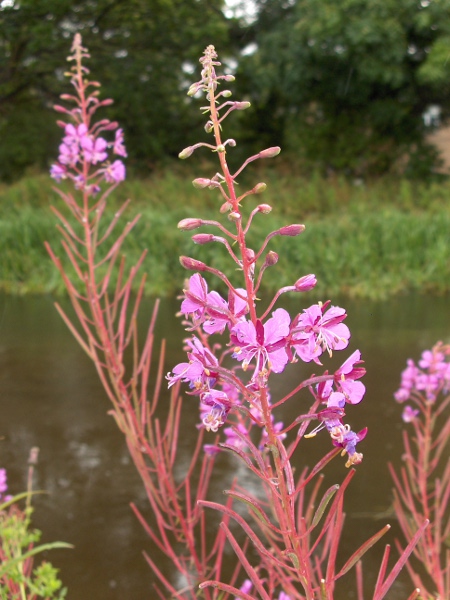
{"points": [[345, 84], [141, 50], [341, 85]]}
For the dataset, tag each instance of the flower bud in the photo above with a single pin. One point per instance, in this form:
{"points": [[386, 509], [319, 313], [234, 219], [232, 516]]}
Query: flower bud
{"points": [[259, 188], [186, 153], [194, 89], [270, 152], [234, 216], [265, 208], [201, 183], [250, 254], [202, 238], [191, 264], [226, 93], [66, 97], [110, 125], [209, 126], [226, 206], [60, 109], [189, 224], [229, 78], [291, 230], [271, 259], [305, 283], [220, 148], [241, 105]]}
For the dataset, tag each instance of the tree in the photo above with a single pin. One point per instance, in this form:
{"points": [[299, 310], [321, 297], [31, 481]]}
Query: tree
{"points": [[140, 49], [346, 83]]}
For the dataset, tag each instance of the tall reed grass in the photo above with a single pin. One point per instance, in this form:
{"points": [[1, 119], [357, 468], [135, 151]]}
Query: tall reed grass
{"points": [[373, 240]]}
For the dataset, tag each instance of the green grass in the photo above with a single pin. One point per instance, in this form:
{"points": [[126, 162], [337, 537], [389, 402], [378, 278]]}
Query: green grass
{"points": [[371, 240]]}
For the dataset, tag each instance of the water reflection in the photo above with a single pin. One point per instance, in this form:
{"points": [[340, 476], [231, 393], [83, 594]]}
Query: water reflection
{"points": [[50, 397]]}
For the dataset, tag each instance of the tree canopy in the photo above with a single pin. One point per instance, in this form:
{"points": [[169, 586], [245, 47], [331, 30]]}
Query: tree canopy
{"points": [[140, 51], [342, 85], [347, 82]]}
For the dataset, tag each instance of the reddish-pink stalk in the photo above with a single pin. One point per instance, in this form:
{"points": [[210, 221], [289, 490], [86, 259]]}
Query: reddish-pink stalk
{"points": [[108, 332], [293, 558], [422, 486]]}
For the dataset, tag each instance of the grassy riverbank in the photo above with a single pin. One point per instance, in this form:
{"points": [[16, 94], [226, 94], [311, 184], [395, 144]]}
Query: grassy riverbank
{"points": [[364, 240]]}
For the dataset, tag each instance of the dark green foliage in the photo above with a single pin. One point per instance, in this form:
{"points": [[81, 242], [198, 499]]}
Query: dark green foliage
{"points": [[139, 49], [340, 85], [347, 82]]}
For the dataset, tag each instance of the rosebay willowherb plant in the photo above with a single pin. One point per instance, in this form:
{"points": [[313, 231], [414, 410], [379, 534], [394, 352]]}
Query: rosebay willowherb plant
{"points": [[293, 531], [295, 541], [108, 332], [422, 486]]}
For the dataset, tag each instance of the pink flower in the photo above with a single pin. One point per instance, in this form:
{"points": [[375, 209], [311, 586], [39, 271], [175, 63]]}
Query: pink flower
{"points": [[115, 173], [69, 154], [246, 586], [199, 372], [345, 378], [207, 308], [219, 406], [264, 343], [4, 487], [347, 441], [58, 172], [408, 381], [118, 147], [409, 414], [317, 330], [74, 133], [94, 149], [195, 297]]}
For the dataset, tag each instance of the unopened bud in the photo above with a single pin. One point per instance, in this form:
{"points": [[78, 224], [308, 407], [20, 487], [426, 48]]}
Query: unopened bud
{"points": [[186, 153], [209, 126], [250, 254], [189, 224], [234, 216], [194, 89], [241, 105], [265, 208], [220, 148], [226, 206], [202, 238], [270, 152], [226, 93], [110, 126], [60, 108], [305, 283], [201, 182], [229, 78], [191, 264], [259, 188], [271, 259], [292, 230]]}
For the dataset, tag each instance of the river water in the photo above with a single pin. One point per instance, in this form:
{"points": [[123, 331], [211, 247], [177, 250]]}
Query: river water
{"points": [[50, 398]]}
